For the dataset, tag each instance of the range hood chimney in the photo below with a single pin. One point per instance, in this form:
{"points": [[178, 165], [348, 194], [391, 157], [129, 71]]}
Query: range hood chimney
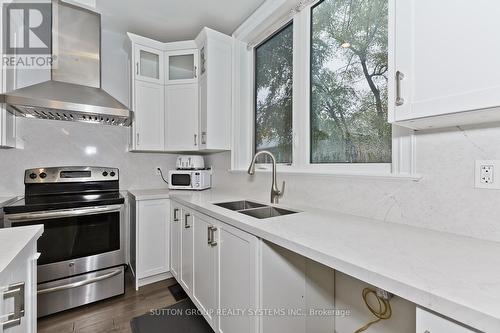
{"points": [[74, 93]]}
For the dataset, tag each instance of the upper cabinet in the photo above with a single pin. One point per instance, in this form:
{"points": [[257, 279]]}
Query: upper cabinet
{"points": [[445, 68], [181, 66], [148, 94], [215, 89], [149, 64], [181, 93]]}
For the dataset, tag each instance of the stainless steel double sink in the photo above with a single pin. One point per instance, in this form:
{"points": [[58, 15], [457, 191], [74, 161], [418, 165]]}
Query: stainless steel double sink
{"points": [[254, 209]]}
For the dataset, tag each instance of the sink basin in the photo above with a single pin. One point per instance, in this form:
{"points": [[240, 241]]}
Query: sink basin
{"points": [[239, 205], [267, 212], [254, 209]]}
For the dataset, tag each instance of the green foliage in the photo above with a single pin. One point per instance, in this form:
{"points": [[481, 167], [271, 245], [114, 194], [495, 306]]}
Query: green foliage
{"points": [[349, 82], [274, 81]]}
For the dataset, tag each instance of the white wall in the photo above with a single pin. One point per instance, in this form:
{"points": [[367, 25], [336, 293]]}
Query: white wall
{"points": [[445, 199], [58, 143]]}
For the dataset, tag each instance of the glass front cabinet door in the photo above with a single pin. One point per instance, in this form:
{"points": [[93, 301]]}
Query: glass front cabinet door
{"points": [[149, 64], [181, 66]]}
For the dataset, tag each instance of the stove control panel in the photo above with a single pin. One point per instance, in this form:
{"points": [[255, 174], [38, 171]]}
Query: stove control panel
{"points": [[70, 175]]}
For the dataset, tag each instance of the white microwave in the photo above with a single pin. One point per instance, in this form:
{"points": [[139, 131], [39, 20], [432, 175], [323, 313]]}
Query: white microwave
{"points": [[190, 179]]}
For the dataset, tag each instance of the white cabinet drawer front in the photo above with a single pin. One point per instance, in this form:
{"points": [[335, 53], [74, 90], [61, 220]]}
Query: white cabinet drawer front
{"points": [[430, 323]]}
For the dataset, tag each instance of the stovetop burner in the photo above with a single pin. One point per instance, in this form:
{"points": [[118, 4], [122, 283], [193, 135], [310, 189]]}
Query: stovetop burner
{"points": [[66, 188], [63, 201]]}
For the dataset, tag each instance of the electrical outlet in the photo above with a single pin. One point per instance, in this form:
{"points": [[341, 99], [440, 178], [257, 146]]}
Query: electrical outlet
{"points": [[485, 176]]}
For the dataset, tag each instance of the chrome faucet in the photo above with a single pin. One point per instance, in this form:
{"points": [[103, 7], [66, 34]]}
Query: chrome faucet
{"points": [[275, 192]]}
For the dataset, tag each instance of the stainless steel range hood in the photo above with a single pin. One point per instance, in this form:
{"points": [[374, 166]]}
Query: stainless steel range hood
{"points": [[74, 93]]}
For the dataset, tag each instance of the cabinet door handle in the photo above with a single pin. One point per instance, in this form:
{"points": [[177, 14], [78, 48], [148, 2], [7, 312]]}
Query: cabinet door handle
{"points": [[195, 72], [186, 225], [203, 138], [399, 77], [209, 235], [212, 236], [137, 68], [15, 291], [176, 210], [137, 139], [196, 139]]}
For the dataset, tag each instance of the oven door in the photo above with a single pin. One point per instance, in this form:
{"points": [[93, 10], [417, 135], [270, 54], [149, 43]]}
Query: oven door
{"points": [[76, 241], [181, 180]]}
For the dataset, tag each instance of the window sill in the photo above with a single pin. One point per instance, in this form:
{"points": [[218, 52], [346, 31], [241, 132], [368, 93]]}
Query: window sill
{"points": [[336, 174]]}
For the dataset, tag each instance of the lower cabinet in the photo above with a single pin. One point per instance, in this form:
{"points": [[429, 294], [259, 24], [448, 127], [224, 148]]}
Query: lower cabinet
{"points": [[218, 269], [175, 239], [186, 276], [150, 240], [18, 305], [428, 322], [205, 264], [238, 280]]}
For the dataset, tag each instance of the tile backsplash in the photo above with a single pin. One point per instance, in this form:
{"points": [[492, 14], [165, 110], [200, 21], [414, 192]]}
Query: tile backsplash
{"points": [[58, 143]]}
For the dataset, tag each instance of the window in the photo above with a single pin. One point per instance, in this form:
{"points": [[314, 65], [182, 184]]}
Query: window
{"points": [[273, 95], [316, 92], [348, 100]]}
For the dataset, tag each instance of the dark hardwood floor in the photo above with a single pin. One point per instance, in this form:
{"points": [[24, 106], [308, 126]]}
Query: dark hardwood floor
{"points": [[112, 315]]}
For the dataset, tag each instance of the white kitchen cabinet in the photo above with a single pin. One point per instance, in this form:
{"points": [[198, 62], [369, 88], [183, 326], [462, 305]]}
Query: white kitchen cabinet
{"points": [[444, 72], [148, 131], [238, 279], [219, 270], [147, 94], [186, 279], [149, 64], [428, 322], [181, 66], [205, 266], [215, 89], [181, 121], [193, 113], [18, 285], [175, 239], [150, 240]]}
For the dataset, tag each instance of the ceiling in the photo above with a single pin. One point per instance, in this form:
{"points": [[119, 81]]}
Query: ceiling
{"points": [[174, 20]]}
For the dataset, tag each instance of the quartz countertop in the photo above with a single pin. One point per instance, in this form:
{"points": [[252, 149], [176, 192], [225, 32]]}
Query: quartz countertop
{"points": [[14, 240], [149, 194], [456, 276]]}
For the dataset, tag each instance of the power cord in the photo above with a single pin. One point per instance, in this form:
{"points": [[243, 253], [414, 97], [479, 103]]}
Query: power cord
{"points": [[161, 175], [383, 312]]}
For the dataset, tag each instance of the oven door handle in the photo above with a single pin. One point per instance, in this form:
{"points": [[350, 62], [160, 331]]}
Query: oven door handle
{"points": [[44, 215], [79, 283]]}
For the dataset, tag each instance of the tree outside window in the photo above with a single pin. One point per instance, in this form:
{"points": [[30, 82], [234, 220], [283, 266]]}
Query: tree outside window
{"points": [[273, 95], [349, 82]]}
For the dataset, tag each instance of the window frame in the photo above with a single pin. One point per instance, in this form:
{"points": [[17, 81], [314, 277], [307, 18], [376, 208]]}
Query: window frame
{"points": [[257, 27]]}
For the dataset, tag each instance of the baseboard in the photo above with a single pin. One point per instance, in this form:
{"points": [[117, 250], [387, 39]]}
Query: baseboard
{"points": [[152, 279]]}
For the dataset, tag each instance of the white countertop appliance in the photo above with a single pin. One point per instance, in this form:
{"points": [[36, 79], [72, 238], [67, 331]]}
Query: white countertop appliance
{"points": [[190, 174], [190, 162]]}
